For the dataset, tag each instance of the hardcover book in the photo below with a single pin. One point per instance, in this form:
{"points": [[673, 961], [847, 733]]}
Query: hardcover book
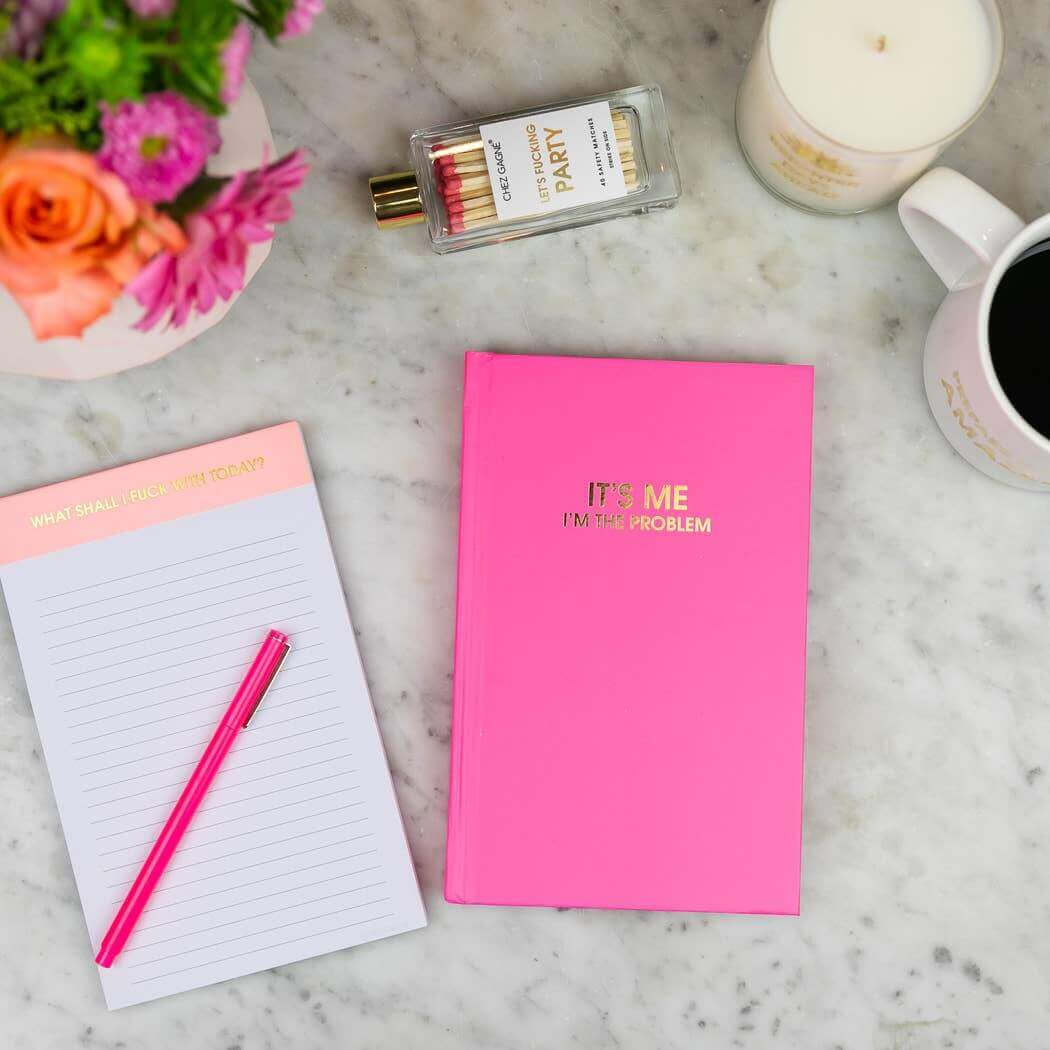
{"points": [[630, 635]]}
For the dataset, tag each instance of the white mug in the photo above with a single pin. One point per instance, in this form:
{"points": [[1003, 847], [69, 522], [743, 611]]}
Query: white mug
{"points": [[970, 240]]}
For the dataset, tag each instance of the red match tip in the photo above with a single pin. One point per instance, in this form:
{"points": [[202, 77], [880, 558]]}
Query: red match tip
{"points": [[455, 224], [453, 182]]}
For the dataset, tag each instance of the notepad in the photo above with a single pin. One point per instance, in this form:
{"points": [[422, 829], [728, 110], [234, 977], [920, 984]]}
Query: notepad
{"points": [[138, 598]]}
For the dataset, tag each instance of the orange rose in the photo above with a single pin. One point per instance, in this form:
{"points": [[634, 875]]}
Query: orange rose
{"points": [[71, 236]]}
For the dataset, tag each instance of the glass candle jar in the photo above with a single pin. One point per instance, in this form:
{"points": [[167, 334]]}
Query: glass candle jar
{"points": [[846, 102]]}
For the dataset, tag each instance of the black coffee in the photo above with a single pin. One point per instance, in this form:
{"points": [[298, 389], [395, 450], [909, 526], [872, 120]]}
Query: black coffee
{"points": [[1018, 331]]}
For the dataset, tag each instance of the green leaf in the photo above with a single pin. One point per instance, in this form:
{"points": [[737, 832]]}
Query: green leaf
{"points": [[14, 73], [194, 196], [269, 15], [78, 17], [201, 29], [38, 110]]}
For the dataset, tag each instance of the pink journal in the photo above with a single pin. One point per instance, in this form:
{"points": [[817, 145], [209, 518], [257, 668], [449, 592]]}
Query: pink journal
{"points": [[630, 635]]}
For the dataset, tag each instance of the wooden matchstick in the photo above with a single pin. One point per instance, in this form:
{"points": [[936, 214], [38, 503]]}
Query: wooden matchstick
{"points": [[462, 174]]}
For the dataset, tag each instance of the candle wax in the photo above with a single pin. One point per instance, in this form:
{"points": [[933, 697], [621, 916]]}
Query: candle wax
{"points": [[883, 75]]}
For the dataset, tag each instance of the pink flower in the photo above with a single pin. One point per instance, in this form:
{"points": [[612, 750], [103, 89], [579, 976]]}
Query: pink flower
{"points": [[157, 146], [71, 236], [211, 266], [29, 20], [300, 18], [234, 57], [152, 8]]}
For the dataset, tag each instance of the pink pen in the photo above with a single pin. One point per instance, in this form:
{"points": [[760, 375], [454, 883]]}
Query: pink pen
{"points": [[249, 695]]}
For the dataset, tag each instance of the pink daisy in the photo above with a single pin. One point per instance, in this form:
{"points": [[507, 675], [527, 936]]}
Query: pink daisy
{"points": [[211, 266], [157, 146], [300, 18]]}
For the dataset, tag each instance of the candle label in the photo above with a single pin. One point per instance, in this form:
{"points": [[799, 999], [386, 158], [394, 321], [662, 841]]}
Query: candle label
{"points": [[810, 168], [564, 158]]}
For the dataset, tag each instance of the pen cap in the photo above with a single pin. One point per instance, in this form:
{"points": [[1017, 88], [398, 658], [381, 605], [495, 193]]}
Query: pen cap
{"points": [[260, 674], [280, 640]]}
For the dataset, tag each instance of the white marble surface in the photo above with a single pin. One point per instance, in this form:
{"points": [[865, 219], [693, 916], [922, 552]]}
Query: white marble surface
{"points": [[925, 903]]}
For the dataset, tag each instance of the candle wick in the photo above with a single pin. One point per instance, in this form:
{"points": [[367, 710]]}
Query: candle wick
{"points": [[880, 43]]}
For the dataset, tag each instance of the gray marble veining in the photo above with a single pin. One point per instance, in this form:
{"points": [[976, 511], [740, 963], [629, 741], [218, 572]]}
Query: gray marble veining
{"points": [[926, 921]]}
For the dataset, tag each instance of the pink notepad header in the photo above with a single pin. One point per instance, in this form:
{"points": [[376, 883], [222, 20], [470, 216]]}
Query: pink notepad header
{"points": [[137, 495]]}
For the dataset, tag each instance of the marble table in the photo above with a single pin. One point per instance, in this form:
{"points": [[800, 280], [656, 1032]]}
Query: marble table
{"points": [[925, 919]]}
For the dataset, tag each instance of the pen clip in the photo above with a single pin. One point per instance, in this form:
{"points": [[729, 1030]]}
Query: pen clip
{"points": [[266, 688]]}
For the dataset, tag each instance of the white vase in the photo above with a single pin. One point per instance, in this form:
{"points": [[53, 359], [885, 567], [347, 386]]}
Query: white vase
{"points": [[111, 344]]}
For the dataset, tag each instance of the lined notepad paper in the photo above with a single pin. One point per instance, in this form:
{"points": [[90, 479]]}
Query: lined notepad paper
{"points": [[136, 617]]}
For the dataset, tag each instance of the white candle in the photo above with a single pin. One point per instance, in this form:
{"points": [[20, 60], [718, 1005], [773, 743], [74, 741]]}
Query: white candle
{"points": [[846, 101]]}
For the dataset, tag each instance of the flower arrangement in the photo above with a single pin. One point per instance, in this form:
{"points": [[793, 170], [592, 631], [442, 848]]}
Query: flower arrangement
{"points": [[108, 115]]}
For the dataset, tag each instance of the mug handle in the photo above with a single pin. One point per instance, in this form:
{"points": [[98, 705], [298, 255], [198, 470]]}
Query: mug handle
{"points": [[959, 228]]}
